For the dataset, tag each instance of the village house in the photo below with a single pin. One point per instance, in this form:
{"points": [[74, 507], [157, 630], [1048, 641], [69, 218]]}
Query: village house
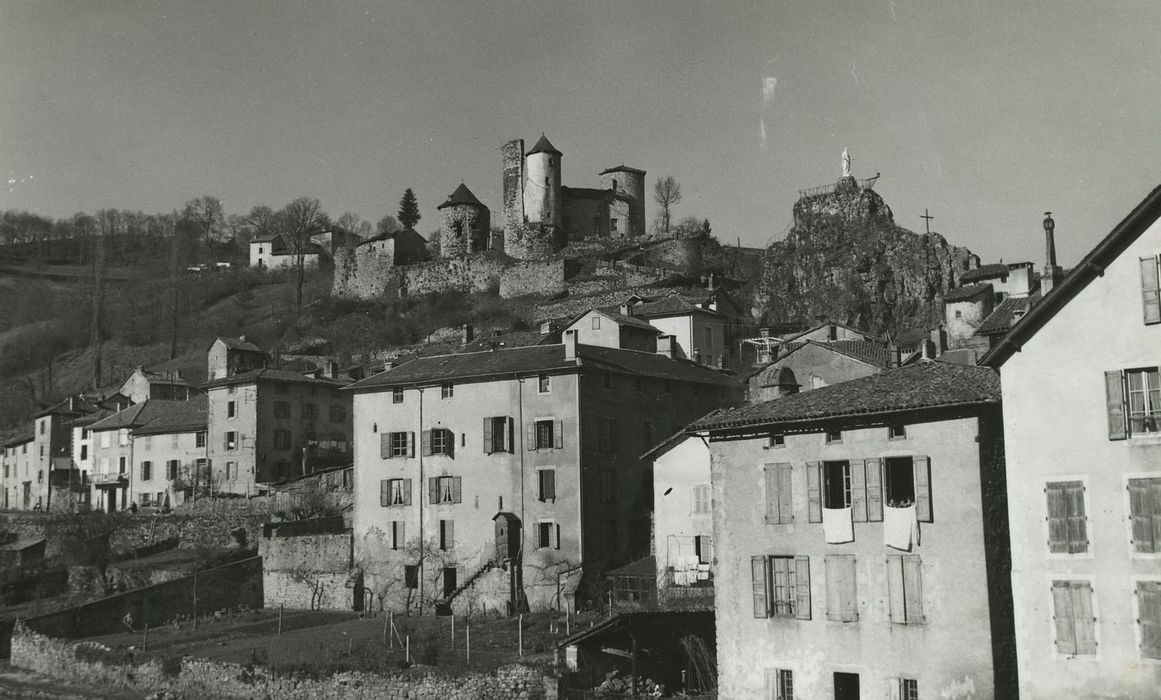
{"points": [[229, 356], [19, 472], [152, 454], [1082, 427], [812, 364], [1007, 280], [142, 385], [52, 450], [706, 331], [505, 478], [615, 330], [860, 539]]}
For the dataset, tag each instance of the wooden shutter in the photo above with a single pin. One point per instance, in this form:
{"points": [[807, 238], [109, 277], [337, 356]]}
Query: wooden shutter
{"points": [[1115, 405], [531, 434], [385, 445], [410, 444], [548, 484], [433, 489], [557, 546], [407, 492], [814, 492], [425, 436], [509, 435], [1155, 511], [1149, 617], [558, 434], [913, 589], [457, 489], [759, 579], [384, 492], [1077, 530], [858, 491], [1149, 290], [1057, 518], [1141, 511], [785, 494], [770, 472], [841, 589], [1063, 616], [802, 588], [488, 427], [1083, 619], [400, 534], [874, 470], [896, 602], [707, 548], [922, 468], [449, 534], [451, 443]]}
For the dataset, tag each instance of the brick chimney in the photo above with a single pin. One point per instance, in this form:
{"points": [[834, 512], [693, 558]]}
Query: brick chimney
{"points": [[665, 346], [1052, 272], [569, 340]]}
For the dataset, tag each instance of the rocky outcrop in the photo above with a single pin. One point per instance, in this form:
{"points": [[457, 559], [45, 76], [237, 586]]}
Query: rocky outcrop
{"points": [[845, 259]]}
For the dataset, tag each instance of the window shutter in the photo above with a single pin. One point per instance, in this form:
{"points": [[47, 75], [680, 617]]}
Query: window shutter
{"points": [[384, 492], [858, 492], [425, 436], [874, 470], [1149, 290], [1082, 614], [802, 588], [785, 494], [913, 589], [558, 434], [1062, 615], [850, 596], [835, 585], [773, 495], [1149, 617], [451, 443], [1077, 530], [814, 492], [385, 445], [488, 427], [758, 575], [532, 435], [509, 435], [1140, 510], [549, 476], [1057, 518], [1115, 405], [407, 492], [410, 444], [433, 489], [896, 602], [707, 548], [557, 545], [401, 533], [897, 689], [1155, 511], [449, 534], [457, 489], [922, 468]]}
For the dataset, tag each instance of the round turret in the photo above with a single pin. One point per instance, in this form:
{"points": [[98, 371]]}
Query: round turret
{"points": [[466, 224], [542, 200], [628, 186]]}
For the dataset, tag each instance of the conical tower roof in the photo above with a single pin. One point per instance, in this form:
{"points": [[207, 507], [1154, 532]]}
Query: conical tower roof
{"points": [[543, 146], [462, 195]]}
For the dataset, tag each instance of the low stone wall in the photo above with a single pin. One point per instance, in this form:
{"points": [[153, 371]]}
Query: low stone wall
{"points": [[199, 678], [546, 277], [310, 572]]}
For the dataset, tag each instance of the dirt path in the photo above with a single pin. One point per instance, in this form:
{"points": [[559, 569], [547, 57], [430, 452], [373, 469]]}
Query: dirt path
{"points": [[18, 683]]}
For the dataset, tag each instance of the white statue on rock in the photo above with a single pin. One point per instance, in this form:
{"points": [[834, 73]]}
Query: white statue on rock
{"points": [[846, 163]]}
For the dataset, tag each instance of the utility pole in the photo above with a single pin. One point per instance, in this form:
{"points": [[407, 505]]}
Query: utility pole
{"points": [[98, 305]]}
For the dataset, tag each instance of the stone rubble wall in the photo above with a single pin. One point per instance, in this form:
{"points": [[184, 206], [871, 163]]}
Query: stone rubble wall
{"points": [[308, 572], [545, 277], [200, 678]]}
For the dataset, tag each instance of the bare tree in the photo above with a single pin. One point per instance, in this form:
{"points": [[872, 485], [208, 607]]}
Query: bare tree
{"points": [[353, 223], [206, 212], [667, 192], [297, 222], [388, 224]]}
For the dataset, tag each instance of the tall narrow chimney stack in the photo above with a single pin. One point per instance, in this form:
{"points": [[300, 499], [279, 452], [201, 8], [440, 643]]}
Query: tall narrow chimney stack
{"points": [[1052, 271]]}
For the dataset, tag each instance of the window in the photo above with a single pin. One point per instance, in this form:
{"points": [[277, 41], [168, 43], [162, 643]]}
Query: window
{"points": [[608, 435], [547, 535], [842, 603], [701, 498], [231, 409], [397, 444], [703, 548], [439, 441], [84, 452], [596, 323], [396, 396], [1145, 512], [906, 482], [544, 382], [613, 224], [958, 314], [447, 537], [498, 435], [104, 440], [200, 439], [281, 409], [905, 589], [836, 482], [607, 380], [779, 496], [546, 434], [447, 391], [780, 684], [398, 535], [899, 481], [147, 500], [908, 688], [1133, 402], [1073, 618], [146, 471], [833, 436], [444, 489], [231, 470], [608, 485], [310, 411], [411, 576], [338, 413], [546, 485], [709, 337], [123, 437], [1149, 617], [231, 440], [1150, 290], [171, 469], [394, 492], [781, 586], [122, 463], [281, 439], [896, 432], [776, 441], [43, 425], [148, 442], [1067, 524]]}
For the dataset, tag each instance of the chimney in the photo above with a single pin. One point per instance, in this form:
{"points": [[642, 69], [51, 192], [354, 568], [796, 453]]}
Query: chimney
{"points": [[569, 345], [625, 310], [710, 284], [939, 339], [242, 338], [665, 345], [1052, 271], [469, 334], [894, 355]]}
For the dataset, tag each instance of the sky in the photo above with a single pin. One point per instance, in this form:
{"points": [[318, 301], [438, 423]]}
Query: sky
{"points": [[986, 113]]}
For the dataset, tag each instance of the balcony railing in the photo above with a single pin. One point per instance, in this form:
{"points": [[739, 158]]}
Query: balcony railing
{"points": [[110, 479]]}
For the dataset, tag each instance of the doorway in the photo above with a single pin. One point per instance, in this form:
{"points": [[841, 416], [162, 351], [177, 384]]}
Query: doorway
{"points": [[846, 686]]}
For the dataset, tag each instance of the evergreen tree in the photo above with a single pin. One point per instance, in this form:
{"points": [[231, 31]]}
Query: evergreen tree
{"points": [[408, 214]]}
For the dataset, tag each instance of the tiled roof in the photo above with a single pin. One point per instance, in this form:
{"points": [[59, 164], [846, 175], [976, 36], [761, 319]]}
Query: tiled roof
{"points": [[616, 316], [967, 292], [1007, 313], [537, 359], [622, 168], [824, 324], [462, 195], [74, 405], [155, 377], [270, 375], [410, 232], [984, 272], [543, 146], [158, 416], [924, 385], [239, 344], [869, 351], [25, 434], [586, 192], [669, 305]]}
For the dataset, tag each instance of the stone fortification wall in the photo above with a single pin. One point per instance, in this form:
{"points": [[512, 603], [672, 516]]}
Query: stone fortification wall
{"points": [[535, 277], [478, 272], [513, 159], [308, 572], [202, 678], [532, 241]]}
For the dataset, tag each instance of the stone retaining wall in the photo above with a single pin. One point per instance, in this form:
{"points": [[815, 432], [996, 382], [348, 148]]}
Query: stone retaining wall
{"points": [[200, 678]]}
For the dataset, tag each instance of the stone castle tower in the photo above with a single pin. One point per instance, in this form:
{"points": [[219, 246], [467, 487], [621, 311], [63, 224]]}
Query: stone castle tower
{"points": [[628, 197], [466, 224]]}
